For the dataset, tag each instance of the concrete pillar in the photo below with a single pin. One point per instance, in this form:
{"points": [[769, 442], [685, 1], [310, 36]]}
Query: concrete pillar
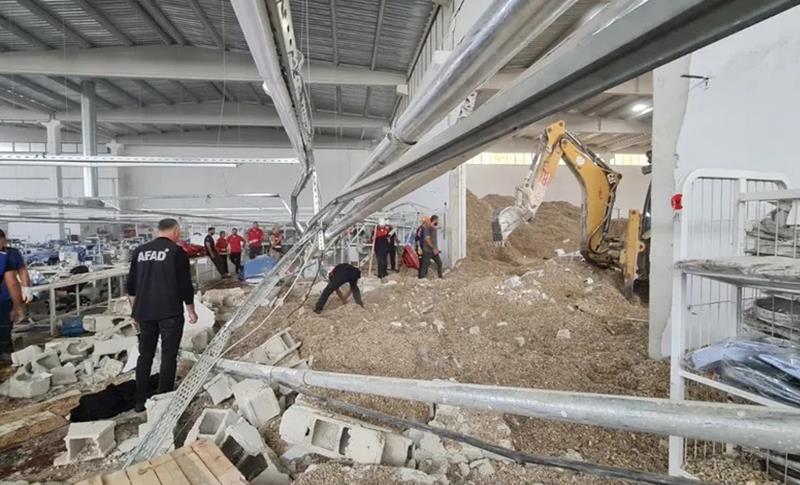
{"points": [[457, 214], [91, 178], [670, 95], [54, 148]]}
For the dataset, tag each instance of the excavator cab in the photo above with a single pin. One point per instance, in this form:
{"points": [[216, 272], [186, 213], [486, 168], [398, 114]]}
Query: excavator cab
{"points": [[599, 184]]}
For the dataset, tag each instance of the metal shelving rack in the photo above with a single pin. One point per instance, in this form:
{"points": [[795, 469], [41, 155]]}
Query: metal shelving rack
{"points": [[729, 216]]}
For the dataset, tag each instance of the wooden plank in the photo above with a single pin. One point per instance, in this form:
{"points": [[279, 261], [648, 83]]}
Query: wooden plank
{"points": [[168, 472], [225, 471], [193, 467], [29, 427], [142, 474], [95, 480], [118, 477]]}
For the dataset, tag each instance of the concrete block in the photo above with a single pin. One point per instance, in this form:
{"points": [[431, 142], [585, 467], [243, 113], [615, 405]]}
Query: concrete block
{"points": [[113, 346], [205, 323], [63, 375], [280, 346], [88, 367], [119, 306], [264, 469], [257, 402], [219, 388], [89, 440], [126, 327], [211, 425], [241, 439], [230, 297], [397, 449], [102, 322], [26, 355], [331, 437], [110, 368], [45, 361], [26, 384]]}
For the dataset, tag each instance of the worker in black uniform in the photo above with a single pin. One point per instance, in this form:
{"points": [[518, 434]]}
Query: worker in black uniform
{"points": [[159, 285], [339, 275]]}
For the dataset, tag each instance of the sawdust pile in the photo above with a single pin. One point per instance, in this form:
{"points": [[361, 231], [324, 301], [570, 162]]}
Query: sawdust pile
{"points": [[557, 226]]}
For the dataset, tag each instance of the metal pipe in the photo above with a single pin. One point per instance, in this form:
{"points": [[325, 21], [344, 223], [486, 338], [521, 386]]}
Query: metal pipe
{"points": [[504, 29], [629, 38], [91, 177], [754, 426], [254, 19]]}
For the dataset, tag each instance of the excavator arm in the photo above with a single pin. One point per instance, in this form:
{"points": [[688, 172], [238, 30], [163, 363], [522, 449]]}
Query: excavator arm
{"points": [[599, 184]]}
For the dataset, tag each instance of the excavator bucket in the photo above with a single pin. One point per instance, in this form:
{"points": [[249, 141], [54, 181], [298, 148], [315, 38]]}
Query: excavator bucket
{"points": [[505, 220]]}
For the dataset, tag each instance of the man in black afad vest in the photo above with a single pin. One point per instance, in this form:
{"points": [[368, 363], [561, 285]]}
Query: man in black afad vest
{"points": [[339, 275], [159, 284]]}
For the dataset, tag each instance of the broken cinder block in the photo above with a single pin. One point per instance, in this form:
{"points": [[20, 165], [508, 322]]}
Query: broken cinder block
{"points": [[275, 349], [26, 355], [87, 441], [26, 384], [45, 361], [211, 425], [220, 388], [256, 401], [331, 437], [63, 375], [113, 346], [101, 322]]}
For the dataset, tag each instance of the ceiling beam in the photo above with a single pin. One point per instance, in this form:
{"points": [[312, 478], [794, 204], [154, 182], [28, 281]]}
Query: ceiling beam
{"points": [[33, 108], [158, 15], [11, 27], [377, 38], [213, 114], [60, 98], [145, 86], [334, 35], [641, 85], [223, 138], [173, 62], [118, 90], [182, 87], [33, 7], [76, 88], [101, 19], [154, 26], [201, 15]]}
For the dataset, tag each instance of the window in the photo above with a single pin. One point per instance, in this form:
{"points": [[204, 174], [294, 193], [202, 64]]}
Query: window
{"points": [[490, 158], [630, 159]]}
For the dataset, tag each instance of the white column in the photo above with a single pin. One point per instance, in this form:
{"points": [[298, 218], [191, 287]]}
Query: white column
{"points": [[457, 214], [54, 148], [670, 95], [91, 178]]}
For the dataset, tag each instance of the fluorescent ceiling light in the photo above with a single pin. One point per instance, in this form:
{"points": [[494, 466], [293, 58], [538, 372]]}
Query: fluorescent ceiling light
{"points": [[55, 163], [639, 108]]}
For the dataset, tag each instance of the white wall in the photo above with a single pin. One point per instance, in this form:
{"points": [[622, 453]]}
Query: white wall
{"points": [[334, 168], [745, 118], [39, 183], [503, 179]]}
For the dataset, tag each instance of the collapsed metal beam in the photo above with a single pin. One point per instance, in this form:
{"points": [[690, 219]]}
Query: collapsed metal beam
{"points": [[623, 41], [279, 62], [752, 426], [503, 30]]}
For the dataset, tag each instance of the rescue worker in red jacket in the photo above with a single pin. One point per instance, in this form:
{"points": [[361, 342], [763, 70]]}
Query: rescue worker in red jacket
{"points": [[235, 243], [222, 251], [381, 244], [255, 236]]}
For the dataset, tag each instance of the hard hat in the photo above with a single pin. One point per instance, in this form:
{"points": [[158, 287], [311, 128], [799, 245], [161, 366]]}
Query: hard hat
{"points": [[382, 221]]}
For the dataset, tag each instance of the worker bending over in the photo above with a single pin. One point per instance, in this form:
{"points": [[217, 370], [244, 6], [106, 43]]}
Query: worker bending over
{"points": [[339, 275], [159, 285]]}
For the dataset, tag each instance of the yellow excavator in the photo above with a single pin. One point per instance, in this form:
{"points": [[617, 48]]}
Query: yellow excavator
{"points": [[599, 183]]}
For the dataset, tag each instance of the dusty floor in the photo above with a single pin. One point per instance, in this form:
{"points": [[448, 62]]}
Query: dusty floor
{"points": [[495, 319]]}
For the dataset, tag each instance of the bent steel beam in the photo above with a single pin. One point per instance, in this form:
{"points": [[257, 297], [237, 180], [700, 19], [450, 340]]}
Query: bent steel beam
{"points": [[754, 426]]}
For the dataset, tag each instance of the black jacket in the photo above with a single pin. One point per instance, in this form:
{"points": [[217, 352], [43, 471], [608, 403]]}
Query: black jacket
{"points": [[160, 280]]}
